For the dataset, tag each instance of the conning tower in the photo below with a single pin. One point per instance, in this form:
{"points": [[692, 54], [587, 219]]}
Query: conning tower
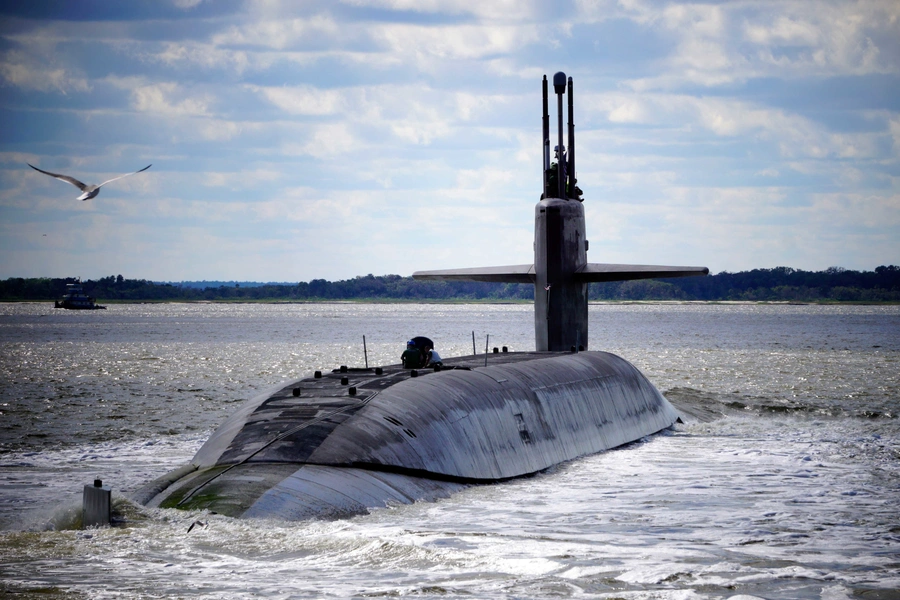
{"points": [[560, 271]]}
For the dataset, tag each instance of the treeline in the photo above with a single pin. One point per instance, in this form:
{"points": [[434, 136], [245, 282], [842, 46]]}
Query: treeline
{"points": [[778, 284]]}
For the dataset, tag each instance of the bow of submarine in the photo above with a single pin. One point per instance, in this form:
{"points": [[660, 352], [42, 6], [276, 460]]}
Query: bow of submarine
{"points": [[344, 443]]}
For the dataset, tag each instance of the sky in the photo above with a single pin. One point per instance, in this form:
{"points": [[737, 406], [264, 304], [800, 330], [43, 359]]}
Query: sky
{"points": [[300, 140]]}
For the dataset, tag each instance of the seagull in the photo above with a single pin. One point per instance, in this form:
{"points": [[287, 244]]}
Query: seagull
{"points": [[202, 524], [89, 191]]}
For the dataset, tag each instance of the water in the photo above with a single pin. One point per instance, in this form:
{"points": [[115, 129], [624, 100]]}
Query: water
{"points": [[793, 494]]}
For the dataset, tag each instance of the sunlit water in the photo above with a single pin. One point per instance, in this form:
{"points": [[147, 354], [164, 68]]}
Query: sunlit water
{"points": [[793, 494]]}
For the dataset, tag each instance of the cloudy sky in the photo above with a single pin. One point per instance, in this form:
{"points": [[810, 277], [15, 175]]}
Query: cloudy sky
{"points": [[300, 140]]}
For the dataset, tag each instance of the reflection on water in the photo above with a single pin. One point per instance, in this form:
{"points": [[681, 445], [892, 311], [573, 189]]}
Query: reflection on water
{"points": [[792, 495]]}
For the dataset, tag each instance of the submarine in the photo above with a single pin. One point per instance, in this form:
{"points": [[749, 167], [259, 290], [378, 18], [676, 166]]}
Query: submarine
{"points": [[345, 441]]}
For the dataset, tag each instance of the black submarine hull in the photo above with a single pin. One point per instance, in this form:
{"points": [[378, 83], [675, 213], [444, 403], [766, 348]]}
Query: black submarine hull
{"points": [[352, 440]]}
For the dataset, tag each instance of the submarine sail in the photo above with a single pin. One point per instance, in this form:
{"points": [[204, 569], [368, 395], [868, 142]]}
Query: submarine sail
{"points": [[560, 271]]}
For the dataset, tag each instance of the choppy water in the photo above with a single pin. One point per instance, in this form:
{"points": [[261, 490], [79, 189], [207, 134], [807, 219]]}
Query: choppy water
{"points": [[793, 495]]}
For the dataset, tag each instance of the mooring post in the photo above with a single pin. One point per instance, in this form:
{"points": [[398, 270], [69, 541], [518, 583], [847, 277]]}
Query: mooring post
{"points": [[96, 505]]}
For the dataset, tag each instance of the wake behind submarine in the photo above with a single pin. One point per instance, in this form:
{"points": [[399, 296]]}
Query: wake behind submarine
{"points": [[342, 442]]}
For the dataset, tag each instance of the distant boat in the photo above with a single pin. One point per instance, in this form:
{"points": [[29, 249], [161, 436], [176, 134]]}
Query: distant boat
{"points": [[76, 299]]}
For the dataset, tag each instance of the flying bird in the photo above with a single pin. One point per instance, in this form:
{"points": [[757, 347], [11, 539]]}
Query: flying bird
{"points": [[202, 524], [88, 191]]}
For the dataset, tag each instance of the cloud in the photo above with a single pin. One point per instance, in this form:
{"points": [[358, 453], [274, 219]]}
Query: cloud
{"points": [[423, 44], [244, 179], [794, 135], [854, 210], [28, 71], [304, 100], [696, 20], [410, 114], [187, 4], [272, 31], [163, 98], [484, 183], [736, 42], [503, 10], [422, 125], [328, 140], [472, 106], [204, 55], [848, 38], [895, 133], [219, 130], [784, 31], [211, 210]]}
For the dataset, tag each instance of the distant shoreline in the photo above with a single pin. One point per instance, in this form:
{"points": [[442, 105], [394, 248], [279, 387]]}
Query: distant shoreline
{"points": [[781, 284], [491, 302]]}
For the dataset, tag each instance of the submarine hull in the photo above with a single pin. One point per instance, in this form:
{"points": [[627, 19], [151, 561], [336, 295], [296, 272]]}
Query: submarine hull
{"points": [[346, 442]]}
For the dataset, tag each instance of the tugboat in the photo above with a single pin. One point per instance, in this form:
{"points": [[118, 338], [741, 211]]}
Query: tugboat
{"points": [[76, 299]]}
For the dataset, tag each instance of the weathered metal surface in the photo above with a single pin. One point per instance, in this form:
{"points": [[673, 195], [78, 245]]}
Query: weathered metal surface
{"points": [[502, 421], [593, 272], [507, 274], [96, 507], [329, 492], [560, 301], [403, 438]]}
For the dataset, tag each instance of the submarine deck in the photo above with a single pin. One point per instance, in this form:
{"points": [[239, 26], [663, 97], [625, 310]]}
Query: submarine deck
{"points": [[349, 439], [379, 378], [293, 421]]}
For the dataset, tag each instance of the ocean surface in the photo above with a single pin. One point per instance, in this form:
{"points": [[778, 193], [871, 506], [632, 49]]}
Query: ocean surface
{"points": [[793, 493]]}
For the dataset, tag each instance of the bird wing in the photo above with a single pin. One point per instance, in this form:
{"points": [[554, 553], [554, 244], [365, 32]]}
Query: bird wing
{"points": [[121, 176], [71, 180]]}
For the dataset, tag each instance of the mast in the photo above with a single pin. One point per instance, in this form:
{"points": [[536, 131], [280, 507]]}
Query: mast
{"points": [[545, 142], [559, 87], [570, 168]]}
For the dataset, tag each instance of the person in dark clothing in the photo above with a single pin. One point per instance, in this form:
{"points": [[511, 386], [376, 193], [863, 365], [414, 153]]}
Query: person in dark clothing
{"points": [[412, 356]]}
